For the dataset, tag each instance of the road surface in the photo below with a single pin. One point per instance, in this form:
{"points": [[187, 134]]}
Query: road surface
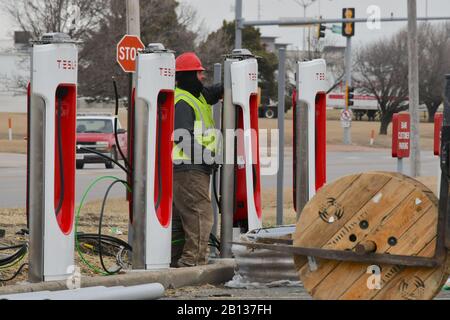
{"points": [[13, 173]]}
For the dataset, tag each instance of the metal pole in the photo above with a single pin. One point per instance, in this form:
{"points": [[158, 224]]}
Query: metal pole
{"points": [[301, 152], [304, 31], [309, 21], [348, 80], [281, 110], [133, 28], [217, 119], [259, 9], [239, 21], [413, 83], [227, 178], [400, 165], [445, 140]]}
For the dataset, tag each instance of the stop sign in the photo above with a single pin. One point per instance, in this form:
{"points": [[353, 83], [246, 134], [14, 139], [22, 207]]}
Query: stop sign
{"points": [[127, 50]]}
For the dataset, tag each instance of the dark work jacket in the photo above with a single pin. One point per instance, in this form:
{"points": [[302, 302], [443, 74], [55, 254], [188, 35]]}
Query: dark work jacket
{"points": [[185, 119]]}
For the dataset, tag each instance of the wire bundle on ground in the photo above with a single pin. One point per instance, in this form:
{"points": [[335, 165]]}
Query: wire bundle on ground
{"points": [[13, 260]]}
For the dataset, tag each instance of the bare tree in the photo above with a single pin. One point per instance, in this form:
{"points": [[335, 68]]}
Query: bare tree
{"points": [[434, 46], [212, 49], [168, 23], [74, 17], [160, 22], [325, 49], [381, 70]]}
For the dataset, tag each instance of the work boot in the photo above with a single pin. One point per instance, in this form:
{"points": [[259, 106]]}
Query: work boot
{"points": [[181, 264]]}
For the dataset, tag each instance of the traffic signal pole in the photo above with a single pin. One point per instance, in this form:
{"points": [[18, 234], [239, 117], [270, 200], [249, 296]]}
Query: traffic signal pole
{"points": [[348, 80]]}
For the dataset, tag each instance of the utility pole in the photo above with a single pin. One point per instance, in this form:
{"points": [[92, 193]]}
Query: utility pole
{"points": [[133, 28], [413, 83]]}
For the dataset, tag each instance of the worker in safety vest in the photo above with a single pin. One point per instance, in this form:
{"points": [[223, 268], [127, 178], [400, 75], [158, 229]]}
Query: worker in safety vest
{"points": [[195, 146]]}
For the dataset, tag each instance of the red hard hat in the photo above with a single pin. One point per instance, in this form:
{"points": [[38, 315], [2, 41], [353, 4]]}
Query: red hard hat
{"points": [[189, 62]]}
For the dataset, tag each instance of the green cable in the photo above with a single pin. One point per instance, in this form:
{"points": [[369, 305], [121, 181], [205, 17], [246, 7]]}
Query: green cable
{"points": [[77, 219]]}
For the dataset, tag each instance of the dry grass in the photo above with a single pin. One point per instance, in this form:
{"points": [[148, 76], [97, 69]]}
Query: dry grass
{"points": [[116, 218], [15, 146], [361, 131]]}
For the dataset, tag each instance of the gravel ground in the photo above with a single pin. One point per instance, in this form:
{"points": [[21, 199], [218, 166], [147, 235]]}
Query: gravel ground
{"points": [[223, 293]]}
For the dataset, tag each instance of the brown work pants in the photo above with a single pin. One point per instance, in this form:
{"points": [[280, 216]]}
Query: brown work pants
{"points": [[192, 218]]}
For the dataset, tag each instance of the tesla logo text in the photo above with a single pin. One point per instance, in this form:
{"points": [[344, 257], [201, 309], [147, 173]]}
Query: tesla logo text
{"points": [[167, 72], [253, 76], [67, 64]]}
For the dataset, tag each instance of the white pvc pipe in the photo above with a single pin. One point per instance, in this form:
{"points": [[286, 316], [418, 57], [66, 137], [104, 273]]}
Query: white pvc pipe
{"points": [[142, 292]]}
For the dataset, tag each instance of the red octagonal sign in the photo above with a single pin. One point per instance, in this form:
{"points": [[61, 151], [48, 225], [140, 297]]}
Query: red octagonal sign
{"points": [[127, 50]]}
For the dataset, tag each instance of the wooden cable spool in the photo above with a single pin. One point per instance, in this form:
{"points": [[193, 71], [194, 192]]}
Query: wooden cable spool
{"points": [[380, 212]]}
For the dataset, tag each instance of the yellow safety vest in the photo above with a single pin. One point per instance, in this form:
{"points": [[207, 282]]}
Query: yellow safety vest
{"points": [[204, 122]]}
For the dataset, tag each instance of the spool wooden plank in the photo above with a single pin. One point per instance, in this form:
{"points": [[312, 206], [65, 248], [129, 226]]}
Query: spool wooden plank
{"points": [[394, 213], [341, 240]]}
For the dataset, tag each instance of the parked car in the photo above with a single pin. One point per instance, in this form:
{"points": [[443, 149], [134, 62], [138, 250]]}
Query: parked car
{"points": [[96, 132]]}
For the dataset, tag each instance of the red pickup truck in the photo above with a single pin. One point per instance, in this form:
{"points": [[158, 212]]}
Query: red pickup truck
{"points": [[96, 132]]}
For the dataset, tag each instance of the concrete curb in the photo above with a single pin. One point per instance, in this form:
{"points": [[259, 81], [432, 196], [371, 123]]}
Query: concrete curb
{"points": [[219, 272]]}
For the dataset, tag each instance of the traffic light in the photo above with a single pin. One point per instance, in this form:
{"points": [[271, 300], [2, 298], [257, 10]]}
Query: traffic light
{"points": [[321, 31], [348, 28], [349, 96]]}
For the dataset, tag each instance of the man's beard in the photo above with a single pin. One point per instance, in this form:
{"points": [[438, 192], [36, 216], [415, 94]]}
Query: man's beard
{"points": [[189, 81]]}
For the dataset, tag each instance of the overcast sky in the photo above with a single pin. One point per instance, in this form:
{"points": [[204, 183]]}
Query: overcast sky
{"points": [[213, 12]]}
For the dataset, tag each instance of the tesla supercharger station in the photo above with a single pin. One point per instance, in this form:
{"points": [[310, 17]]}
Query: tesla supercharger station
{"points": [[52, 113], [152, 158], [242, 67], [309, 131]]}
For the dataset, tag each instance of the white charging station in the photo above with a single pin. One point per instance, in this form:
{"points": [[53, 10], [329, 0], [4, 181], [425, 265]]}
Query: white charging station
{"points": [[51, 157], [152, 158], [244, 79], [311, 90]]}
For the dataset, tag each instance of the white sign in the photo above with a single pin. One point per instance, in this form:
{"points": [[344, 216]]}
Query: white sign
{"points": [[346, 115], [346, 124]]}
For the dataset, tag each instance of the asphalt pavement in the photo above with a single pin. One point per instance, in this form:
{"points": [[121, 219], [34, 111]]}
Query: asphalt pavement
{"points": [[13, 173]]}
